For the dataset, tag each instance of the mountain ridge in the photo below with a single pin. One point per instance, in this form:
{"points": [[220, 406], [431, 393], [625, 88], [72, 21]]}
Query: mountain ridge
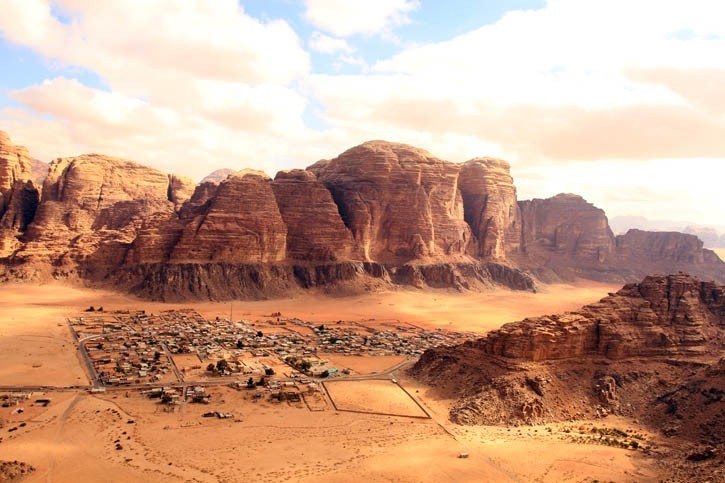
{"points": [[378, 215]]}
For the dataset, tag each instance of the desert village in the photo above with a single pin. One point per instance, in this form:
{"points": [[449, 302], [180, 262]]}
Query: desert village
{"points": [[127, 391], [175, 356]]}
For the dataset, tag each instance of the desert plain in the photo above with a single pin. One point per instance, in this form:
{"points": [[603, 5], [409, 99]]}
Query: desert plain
{"points": [[377, 429]]}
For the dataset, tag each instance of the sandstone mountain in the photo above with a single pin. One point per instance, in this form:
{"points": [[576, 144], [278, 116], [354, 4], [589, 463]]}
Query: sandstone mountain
{"points": [[379, 214], [18, 194], [652, 351]]}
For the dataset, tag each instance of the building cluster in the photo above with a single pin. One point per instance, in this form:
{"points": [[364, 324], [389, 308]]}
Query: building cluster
{"points": [[133, 347]]}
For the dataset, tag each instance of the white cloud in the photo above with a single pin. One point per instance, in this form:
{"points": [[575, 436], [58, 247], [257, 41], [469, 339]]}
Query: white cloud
{"points": [[328, 45], [611, 91], [574, 80], [347, 17], [664, 188], [191, 85]]}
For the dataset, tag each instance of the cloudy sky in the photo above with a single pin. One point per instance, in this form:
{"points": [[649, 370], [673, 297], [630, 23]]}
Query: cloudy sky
{"points": [[622, 101]]}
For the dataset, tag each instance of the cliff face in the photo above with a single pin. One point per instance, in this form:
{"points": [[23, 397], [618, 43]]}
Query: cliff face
{"points": [[399, 202], [315, 230], [661, 315], [656, 246], [91, 209], [491, 210], [241, 224], [18, 194], [652, 351], [565, 237], [565, 226], [380, 213], [14, 166]]}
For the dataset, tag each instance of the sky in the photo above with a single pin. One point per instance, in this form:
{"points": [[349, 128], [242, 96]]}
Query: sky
{"points": [[620, 101]]}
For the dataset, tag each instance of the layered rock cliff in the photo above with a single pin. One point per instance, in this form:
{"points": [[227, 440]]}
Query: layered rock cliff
{"points": [[315, 230], [379, 214], [241, 224], [652, 351], [662, 315], [400, 203], [19, 196], [490, 206]]}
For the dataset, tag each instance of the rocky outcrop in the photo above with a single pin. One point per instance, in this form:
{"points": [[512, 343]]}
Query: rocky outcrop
{"points": [[91, 209], [14, 166], [172, 281], [565, 226], [490, 207], [657, 246], [651, 352], [14, 470], [564, 238], [400, 203], [381, 212], [240, 224], [315, 230], [661, 315], [640, 251], [18, 194]]}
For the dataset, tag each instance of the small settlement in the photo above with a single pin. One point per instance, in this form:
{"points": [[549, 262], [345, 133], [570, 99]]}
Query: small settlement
{"points": [[174, 354]]}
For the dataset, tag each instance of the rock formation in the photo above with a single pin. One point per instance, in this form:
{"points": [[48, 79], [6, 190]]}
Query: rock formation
{"points": [[661, 315], [90, 211], [18, 194], [400, 203], [315, 230], [660, 245], [651, 351], [241, 224], [566, 226], [379, 214], [491, 210]]}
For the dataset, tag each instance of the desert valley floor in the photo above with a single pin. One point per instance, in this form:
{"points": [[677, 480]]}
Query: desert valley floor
{"points": [[120, 435]]}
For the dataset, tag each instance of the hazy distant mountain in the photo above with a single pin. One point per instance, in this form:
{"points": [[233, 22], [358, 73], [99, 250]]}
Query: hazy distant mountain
{"points": [[620, 224], [40, 171], [712, 236], [218, 176], [709, 235]]}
